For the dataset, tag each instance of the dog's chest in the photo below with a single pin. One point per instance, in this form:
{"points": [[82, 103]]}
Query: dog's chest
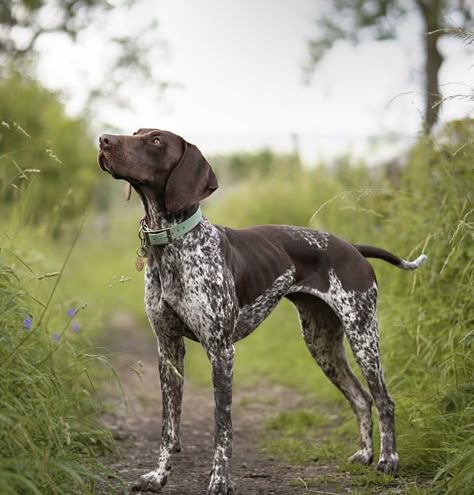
{"points": [[251, 315], [190, 277]]}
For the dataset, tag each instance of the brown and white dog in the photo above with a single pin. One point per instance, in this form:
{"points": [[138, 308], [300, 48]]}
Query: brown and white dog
{"points": [[215, 285]]}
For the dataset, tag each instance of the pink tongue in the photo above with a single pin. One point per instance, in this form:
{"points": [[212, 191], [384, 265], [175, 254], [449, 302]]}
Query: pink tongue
{"points": [[127, 190]]}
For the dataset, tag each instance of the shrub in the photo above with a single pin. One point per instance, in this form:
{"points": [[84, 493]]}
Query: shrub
{"points": [[40, 143], [49, 434]]}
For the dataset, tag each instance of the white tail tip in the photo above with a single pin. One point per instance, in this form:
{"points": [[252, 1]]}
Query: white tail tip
{"points": [[413, 265]]}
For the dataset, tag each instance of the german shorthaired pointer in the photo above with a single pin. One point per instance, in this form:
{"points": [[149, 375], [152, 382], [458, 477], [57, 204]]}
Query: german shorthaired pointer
{"points": [[215, 285]]}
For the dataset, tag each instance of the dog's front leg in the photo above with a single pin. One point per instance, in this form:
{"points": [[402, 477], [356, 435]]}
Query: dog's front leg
{"points": [[171, 358], [222, 361]]}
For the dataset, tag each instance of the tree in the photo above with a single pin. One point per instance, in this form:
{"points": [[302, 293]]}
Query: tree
{"points": [[24, 22], [378, 19], [41, 146]]}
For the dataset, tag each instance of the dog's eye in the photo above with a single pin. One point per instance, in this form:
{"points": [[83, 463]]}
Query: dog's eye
{"points": [[156, 140]]}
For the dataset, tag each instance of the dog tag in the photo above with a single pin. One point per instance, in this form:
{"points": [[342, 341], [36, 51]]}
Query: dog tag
{"points": [[127, 190], [139, 263]]}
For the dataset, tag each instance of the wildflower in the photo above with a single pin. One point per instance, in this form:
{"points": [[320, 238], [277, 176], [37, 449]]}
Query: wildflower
{"points": [[71, 312], [56, 336], [28, 323], [75, 326]]}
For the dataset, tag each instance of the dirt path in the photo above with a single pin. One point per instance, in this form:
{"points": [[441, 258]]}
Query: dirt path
{"points": [[137, 429]]}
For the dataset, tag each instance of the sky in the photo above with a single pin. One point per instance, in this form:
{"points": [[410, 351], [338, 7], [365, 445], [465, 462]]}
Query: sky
{"points": [[239, 65]]}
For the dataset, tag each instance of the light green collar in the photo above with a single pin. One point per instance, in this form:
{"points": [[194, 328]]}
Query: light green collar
{"points": [[162, 237]]}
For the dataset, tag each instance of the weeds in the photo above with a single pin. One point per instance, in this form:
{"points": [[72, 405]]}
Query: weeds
{"points": [[50, 431], [426, 317], [49, 435]]}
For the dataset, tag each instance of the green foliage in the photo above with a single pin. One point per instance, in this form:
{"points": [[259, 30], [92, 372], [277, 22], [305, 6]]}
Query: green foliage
{"points": [[362, 481], [305, 436], [257, 164], [297, 422], [49, 434], [434, 331], [375, 18], [39, 143], [426, 317]]}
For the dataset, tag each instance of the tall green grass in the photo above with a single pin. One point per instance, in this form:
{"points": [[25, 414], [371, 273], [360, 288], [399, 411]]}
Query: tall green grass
{"points": [[51, 435], [426, 317], [429, 349]]}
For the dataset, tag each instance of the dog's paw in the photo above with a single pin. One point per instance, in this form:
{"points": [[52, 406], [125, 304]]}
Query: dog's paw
{"points": [[362, 456], [149, 482], [220, 485], [388, 465]]}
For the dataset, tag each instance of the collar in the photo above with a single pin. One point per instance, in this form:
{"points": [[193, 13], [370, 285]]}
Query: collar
{"points": [[163, 237]]}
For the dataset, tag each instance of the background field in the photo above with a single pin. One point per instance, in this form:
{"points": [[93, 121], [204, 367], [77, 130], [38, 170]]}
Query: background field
{"points": [[67, 253], [426, 316]]}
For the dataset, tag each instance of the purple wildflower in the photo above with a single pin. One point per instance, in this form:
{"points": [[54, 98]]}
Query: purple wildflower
{"points": [[71, 312], [56, 336], [28, 323], [75, 326]]}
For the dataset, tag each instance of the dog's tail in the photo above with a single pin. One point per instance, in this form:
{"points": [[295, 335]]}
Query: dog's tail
{"points": [[381, 254]]}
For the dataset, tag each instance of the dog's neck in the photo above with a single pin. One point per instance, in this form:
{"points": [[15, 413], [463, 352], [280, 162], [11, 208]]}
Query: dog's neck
{"points": [[165, 257], [157, 217]]}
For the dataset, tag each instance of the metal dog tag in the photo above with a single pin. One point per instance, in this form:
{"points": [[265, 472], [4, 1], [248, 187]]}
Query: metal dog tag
{"points": [[139, 263]]}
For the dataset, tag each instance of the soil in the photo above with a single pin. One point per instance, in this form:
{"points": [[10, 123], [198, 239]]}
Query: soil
{"points": [[136, 429]]}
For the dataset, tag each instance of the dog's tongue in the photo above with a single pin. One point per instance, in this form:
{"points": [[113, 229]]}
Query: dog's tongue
{"points": [[127, 190]]}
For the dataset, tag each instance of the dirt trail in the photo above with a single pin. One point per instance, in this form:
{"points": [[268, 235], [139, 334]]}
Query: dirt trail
{"points": [[137, 429]]}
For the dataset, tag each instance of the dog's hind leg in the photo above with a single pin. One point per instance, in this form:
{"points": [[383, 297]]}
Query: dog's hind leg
{"points": [[362, 331], [323, 334]]}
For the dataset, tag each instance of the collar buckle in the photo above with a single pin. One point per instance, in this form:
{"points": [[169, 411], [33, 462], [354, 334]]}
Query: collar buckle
{"points": [[168, 235], [164, 236]]}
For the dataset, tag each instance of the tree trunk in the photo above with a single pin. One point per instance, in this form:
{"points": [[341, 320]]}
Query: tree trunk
{"points": [[431, 12], [433, 97]]}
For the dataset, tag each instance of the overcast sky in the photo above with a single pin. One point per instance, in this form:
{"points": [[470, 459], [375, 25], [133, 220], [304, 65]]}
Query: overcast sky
{"points": [[239, 65]]}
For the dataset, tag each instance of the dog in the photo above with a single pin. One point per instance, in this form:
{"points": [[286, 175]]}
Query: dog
{"points": [[215, 285]]}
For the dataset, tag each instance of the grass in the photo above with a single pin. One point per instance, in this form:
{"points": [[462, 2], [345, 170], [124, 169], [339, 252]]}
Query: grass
{"points": [[426, 316], [360, 481], [321, 432], [50, 437]]}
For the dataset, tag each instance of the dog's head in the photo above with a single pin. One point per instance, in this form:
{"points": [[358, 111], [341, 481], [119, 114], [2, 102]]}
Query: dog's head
{"points": [[160, 165]]}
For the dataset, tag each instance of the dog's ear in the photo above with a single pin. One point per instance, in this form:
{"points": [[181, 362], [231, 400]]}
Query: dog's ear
{"points": [[191, 181]]}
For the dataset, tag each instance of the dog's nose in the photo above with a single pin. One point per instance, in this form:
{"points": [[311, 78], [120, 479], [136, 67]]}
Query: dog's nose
{"points": [[107, 140]]}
